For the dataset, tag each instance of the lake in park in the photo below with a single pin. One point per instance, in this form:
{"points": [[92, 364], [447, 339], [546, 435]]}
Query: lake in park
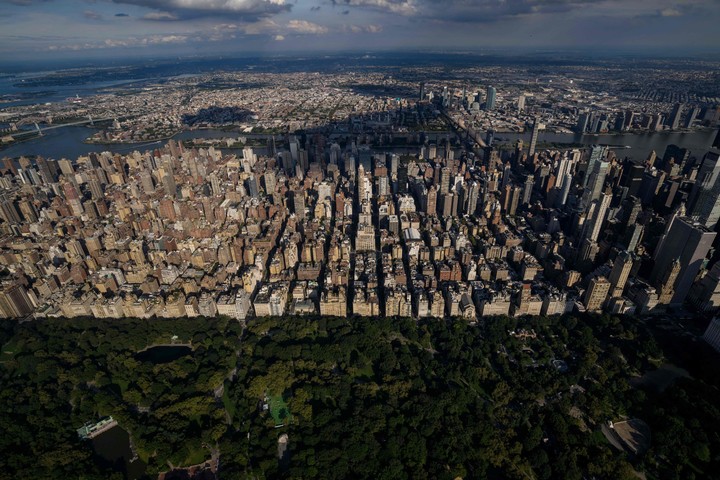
{"points": [[163, 353], [114, 446]]}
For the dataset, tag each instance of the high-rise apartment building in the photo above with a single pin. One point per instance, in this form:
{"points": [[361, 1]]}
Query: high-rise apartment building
{"points": [[490, 99], [596, 293], [687, 242], [534, 137]]}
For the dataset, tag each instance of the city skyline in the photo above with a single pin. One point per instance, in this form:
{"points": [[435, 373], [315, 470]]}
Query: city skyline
{"points": [[130, 28]]}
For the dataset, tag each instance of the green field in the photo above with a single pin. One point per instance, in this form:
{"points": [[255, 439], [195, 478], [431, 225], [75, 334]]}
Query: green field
{"points": [[279, 410]]}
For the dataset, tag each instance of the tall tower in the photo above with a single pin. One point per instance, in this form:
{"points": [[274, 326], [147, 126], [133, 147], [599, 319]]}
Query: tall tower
{"points": [[534, 137], [566, 185], [705, 196], [431, 203], [666, 287], [299, 203], [444, 180], [688, 242], [620, 273], [597, 154], [597, 180], [598, 210], [691, 117], [582, 123], [490, 100], [15, 302], [473, 191], [596, 293], [675, 116], [527, 189]]}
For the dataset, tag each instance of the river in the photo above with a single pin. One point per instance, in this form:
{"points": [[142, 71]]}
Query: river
{"points": [[67, 142], [641, 144]]}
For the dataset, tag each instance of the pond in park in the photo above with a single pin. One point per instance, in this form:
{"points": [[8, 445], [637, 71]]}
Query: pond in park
{"points": [[163, 353]]}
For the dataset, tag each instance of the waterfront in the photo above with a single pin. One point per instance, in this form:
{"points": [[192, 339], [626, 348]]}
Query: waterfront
{"points": [[641, 144], [68, 142]]}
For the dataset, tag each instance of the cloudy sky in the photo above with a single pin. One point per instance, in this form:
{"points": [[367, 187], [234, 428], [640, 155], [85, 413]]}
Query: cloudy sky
{"points": [[103, 28]]}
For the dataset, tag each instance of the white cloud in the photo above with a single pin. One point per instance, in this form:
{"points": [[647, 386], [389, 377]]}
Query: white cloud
{"points": [[125, 42], [402, 7], [363, 28], [160, 16], [305, 27], [278, 38], [670, 12]]}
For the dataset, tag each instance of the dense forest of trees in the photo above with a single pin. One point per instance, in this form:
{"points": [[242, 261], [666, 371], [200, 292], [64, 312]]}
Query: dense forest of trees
{"points": [[368, 398]]}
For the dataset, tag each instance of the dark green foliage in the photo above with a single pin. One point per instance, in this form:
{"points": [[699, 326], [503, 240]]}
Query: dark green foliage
{"points": [[62, 373], [367, 398]]}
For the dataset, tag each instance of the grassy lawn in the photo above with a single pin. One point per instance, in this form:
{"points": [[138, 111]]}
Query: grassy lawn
{"points": [[279, 410], [365, 372], [228, 404], [196, 455], [9, 350]]}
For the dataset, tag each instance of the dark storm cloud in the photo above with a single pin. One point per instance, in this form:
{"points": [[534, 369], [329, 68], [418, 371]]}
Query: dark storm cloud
{"points": [[468, 10], [22, 3], [186, 9]]}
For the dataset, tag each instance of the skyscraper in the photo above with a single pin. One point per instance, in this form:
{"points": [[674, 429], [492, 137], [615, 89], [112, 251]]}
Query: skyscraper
{"points": [[597, 212], [675, 154], [597, 153], [527, 189], [705, 195], [269, 178], [596, 293], [689, 243], [473, 191], [252, 186], [490, 100], [534, 137], [445, 180], [596, 181], [666, 285], [298, 199], [169, 184], [716, 142], [431, 201], [691, 116], [567, 183], [15, 302], [675, 116], [620, 273], [582, 123]]}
